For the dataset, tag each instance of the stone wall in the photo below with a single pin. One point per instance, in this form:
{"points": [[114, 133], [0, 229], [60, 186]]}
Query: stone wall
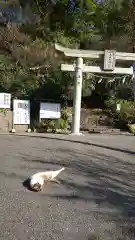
{"points": [[89, 119], [93, 117], [6, 123]]}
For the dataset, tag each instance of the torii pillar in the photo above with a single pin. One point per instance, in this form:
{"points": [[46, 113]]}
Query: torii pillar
{"points": [[110, 57], [77, 97]]}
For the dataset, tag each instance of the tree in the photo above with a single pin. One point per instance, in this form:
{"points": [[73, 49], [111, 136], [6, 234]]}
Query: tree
{"points": [[30, 47], [111, 20], [64, 20], [131, 26]]}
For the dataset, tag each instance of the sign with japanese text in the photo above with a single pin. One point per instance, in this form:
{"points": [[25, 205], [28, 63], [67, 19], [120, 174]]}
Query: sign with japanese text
{"points": [[5, 100], [50, 110], [21, 111]]}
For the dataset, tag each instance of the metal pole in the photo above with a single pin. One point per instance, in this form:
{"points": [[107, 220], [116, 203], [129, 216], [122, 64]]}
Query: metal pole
{"points": [[77, 97]]}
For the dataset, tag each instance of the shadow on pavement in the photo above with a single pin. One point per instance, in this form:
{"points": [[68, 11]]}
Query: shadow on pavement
{"points": [[80, 142], [105, 179], [106, 182]]}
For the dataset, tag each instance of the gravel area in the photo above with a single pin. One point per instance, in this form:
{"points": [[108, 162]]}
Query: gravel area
{"points": [[96, 197]]}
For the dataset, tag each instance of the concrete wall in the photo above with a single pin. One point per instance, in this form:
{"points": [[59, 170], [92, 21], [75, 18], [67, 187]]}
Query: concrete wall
{"points": [[88, 120], [6, 123], [92, 117]]}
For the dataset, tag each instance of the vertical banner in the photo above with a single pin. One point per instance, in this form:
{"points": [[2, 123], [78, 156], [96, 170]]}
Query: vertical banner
{"points": [[50, 110], [5, 100], [21, 112]]}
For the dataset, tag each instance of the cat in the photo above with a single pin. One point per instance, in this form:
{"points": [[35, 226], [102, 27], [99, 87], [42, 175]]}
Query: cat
{"points": [[37, 180]]}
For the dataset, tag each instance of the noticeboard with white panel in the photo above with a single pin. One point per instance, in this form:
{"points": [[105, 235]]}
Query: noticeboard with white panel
{"points": [[21, 111], [50, 110], [5, 100]]}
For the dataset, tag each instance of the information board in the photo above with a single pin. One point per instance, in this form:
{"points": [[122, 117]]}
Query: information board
{"points": [[5, 100], [50, 110], [21, 111]]}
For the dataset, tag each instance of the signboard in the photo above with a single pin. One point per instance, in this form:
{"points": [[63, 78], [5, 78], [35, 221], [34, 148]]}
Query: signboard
{"points": [[109, 60], [118, 107], [5, 100], [21, 112], [50, 110]]}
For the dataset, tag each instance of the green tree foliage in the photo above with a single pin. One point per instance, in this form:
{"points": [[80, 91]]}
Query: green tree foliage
{"points": [[29, 65]]}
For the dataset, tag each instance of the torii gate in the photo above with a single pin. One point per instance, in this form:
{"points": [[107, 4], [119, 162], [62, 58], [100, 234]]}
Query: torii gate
{"points": [[110, 57]]}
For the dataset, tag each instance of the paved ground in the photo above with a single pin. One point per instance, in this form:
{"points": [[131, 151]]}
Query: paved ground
{"points": [[96, 195]]}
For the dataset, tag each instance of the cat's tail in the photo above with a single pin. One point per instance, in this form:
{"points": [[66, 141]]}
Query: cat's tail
{"points": [[56, 172]]}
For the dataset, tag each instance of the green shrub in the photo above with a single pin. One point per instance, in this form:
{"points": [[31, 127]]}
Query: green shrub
{"points": [[65, 114], [131, 128], [52, 126], [111, 104], [127, 111], [125, 115], [64, 124], [58, 125], [47, 126]]}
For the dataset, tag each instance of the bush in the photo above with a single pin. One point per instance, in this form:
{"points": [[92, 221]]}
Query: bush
{"points": [[131, 128], [126, 114], [58, 125], [111, 104], [64, 125], [65, 114], [47, 126], [127, 111]]}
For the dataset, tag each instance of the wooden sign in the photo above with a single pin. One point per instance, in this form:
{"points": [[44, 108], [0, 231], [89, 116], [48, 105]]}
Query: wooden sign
{"points": [[109, 60]]}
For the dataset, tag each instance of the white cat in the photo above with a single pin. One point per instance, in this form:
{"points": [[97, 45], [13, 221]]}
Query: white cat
{"points": [[37, 180]]}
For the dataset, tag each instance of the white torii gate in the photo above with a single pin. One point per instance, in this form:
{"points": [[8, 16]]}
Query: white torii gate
{"points": [[110, 58]]}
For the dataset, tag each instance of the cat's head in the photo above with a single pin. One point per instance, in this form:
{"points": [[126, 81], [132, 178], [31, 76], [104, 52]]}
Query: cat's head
{"points": [[37, 187]]}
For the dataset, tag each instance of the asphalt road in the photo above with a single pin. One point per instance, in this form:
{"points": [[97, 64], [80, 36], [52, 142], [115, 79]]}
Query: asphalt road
{"points": [[96, 197]]}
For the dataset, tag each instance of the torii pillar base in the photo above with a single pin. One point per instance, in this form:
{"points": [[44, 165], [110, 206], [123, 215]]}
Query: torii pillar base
{"points": [[13, 130], [76, 134]]}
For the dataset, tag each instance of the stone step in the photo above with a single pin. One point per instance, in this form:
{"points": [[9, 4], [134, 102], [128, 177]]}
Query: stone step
{"points": [[104, 129], [107, 130]]}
